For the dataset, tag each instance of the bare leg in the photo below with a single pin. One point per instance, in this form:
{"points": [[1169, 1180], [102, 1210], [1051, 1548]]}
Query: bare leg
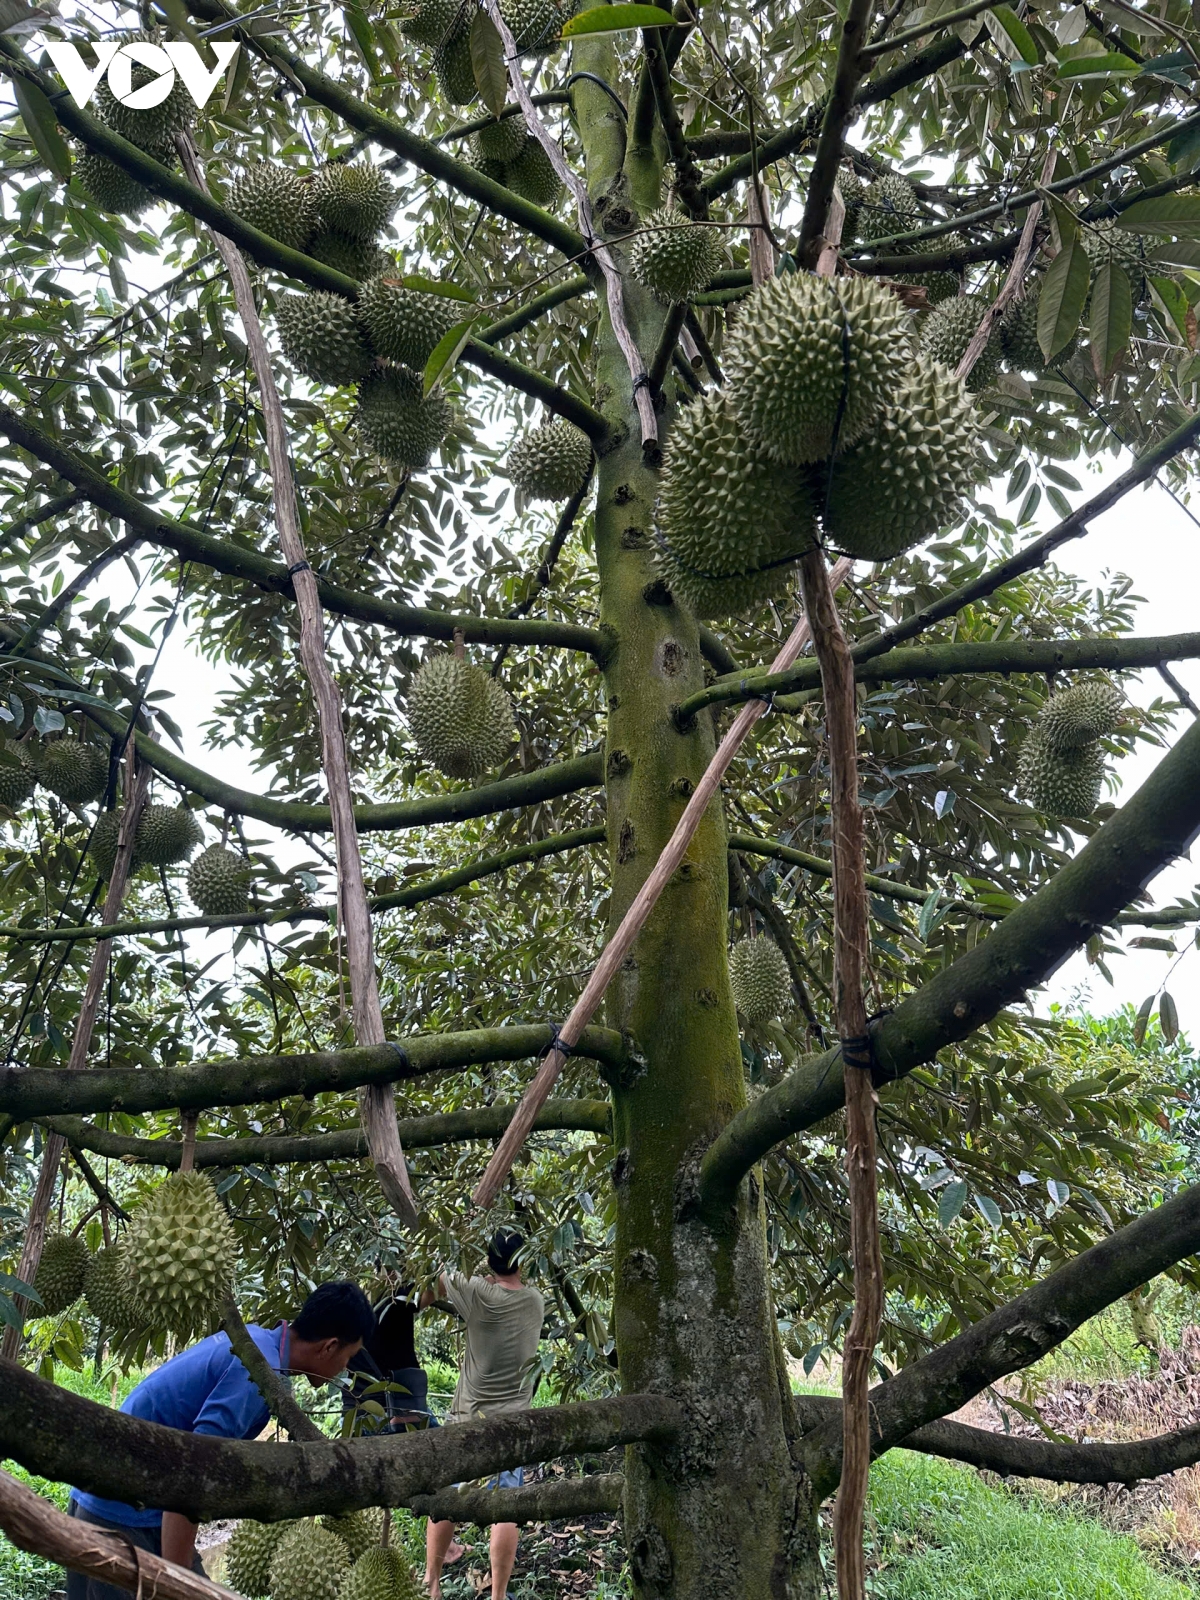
{"points": [[438, 1536], [504, 1554]]}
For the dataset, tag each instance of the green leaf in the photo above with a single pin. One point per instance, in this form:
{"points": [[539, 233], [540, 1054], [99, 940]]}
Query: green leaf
{"points": [[446, 353], [1177, 214], [1183, 152], [364, 38], [15, 1285], [1173, 302], [1019, 34], [487, 63], [989, 1210], [1177, 253], [951, 1201], [1064, 292], [448, 291], [1112, 318], [1106, 66], [9, 1313], [616, 19], [42, 127], [1168, 1017]]}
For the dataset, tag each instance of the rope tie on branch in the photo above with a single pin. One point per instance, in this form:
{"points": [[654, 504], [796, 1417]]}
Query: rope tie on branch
{"points": [[298, 566]]}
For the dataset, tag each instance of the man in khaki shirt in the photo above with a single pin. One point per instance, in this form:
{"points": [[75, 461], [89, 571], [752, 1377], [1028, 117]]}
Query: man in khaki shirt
{"points": [[503, 1319]]}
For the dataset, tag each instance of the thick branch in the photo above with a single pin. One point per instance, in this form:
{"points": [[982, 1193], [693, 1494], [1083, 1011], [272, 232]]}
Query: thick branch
{"points": [[275, 1149], [551, 1501], [275, 1392], [528, 381], [1152, 829], [689, 186], [197, 546], [947, 19], [31, 1092], [569, 289], [839, 108], [60, 1436]]}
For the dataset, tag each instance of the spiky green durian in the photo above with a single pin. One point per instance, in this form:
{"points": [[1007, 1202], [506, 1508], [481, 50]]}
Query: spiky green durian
{"points": [[531, 175], [888, 206], [309, 1564], [1061, 783], [814, 358], [397, 421], [354, 198], [111, 187], [947, 331], [59, 1276], [219, 882], [495, 170], [1018, 334], [357, 258], [153, 128], [103, 845], [108, 1289], [358, 1530], [381, 1574], [1107, 241], [852, 189], [74, 770], [759, 977], [1079, 715], [535, 24], [459, 716], [500, 141], [454, 69], [271, 197], [249, 1553], [405, 325], [181, 1254], [18, 777], [166, 834], [675, 257], [552, 462], [321, 337], [731, 521], [432, 20], [908, 477]]}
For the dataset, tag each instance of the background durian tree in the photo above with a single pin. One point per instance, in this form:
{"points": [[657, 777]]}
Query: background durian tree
{"points": [[556, 461]]}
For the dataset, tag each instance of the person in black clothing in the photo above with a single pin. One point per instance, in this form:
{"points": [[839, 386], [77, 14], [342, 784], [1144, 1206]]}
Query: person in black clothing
{"points": [[390, 1356]]}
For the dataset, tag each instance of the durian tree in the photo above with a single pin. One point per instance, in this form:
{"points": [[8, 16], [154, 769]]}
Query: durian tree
{"points": [[487, 391]]}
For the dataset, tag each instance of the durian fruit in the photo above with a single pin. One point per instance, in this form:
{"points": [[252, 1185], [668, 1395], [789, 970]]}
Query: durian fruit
{"points": [[531, 175], [1108, 241], [405, 325], [890, 205], [357, 258], [731, 521], [354, 198], [321, 337], [59, 1276], [453, 68], [948, 330], [249, 1553], [1018, 335], [500, 141], [166, 834], [535, 24], [459, 716], [108, 1289], [552, 462], [907, 478], [813, 357], [1060, 783], [1079, 715], [397, 421], [381, 1574], [272, 198], [495, 170], [675, 257], [103, 845], [309, 1564], [852, 189], [154, 128], [74, 770], [18, 777], [759, 977], [432, 20], [181, 1254], [219, 882], [358, 1530], [111, 187]]}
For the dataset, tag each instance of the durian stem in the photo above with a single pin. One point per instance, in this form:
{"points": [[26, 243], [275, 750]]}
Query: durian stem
{"points": [[265, 1379], [377, 1102]]}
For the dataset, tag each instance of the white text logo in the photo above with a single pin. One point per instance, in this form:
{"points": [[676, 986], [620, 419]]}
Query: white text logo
{"points": [[118, 61]]}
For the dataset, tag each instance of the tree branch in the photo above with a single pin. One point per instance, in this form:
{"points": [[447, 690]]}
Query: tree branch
{"points": [[33, 1092], [504, 327], [275, 1392], [526, 380], [346, 1144], [689, 184], [1154, 827], [947, 19], [60, 1436], [839, 108], [551, 1501]]}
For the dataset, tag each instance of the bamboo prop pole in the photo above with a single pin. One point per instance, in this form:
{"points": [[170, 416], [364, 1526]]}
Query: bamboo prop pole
{"points": [[33, 1524], [377, 1108], [632, 923], [137, 787], [1012, 283]]}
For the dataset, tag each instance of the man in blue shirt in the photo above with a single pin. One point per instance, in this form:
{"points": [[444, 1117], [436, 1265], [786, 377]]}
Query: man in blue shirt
{"points": [[207, 1390]]}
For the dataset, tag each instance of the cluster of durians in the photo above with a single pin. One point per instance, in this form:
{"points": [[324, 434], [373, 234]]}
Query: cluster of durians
{"points": [[1062, 759], [168, 1272], [460, 718], [322, 1558], [152, 129], [827, 421]]}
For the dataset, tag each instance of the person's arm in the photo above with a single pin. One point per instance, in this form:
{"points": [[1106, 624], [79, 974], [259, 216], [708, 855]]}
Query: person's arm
{"points": [[178, 1538], [430, 1297]]}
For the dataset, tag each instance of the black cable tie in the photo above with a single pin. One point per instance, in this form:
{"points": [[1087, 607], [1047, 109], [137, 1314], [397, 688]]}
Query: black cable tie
{"points": [[557, 1042], [859, 1052], [401, 1052], [301, 566], [642, 381]]}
